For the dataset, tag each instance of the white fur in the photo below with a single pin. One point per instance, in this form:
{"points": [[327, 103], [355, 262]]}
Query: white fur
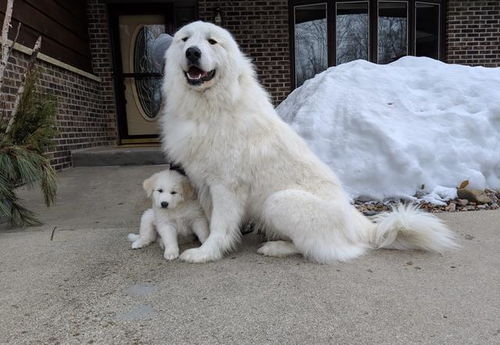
{"points": [[248, 164], [182, 217]]}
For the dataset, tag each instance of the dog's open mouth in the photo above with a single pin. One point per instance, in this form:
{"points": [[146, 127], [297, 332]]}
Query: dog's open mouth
{"points": [[196, 76]]}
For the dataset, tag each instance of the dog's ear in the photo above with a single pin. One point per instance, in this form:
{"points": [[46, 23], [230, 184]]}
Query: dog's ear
{"points": [[160, 46], [187, 190], [149, 185]]}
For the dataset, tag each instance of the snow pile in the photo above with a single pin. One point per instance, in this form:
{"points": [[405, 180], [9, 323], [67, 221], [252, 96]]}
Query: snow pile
{"points": [[415, 126]]}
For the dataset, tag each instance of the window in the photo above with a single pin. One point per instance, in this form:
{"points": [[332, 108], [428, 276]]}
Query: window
{"points": [[311, 45], [427, 30], [351, 31], [392, 31], [331, 32]]}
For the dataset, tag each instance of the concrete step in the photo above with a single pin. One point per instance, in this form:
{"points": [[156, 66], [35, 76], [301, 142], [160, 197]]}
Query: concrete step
{"points": [[118, 155]]}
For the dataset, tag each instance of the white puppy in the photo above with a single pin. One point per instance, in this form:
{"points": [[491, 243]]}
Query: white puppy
{"points": [[175, 212], [248, 164]]}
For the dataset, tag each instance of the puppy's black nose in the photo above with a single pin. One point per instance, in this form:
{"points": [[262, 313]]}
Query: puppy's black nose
{"points": [[193, 54], [164, 204]]}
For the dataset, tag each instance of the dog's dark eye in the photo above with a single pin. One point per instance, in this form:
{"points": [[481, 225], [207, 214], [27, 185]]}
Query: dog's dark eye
{"points": [[160, 190], [185, 39], [212, 41], [173, 193]]}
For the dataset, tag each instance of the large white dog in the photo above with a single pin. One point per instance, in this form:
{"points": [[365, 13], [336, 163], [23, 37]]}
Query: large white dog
{"points": [[248, 164]]}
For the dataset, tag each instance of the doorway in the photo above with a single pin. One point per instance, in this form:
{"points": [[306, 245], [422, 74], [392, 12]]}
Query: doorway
{"points": [[137, 76]]}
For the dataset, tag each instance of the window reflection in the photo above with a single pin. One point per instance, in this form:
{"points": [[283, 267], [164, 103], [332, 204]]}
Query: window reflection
{"points": [[352, 31], [311, 44], [392, 31]]}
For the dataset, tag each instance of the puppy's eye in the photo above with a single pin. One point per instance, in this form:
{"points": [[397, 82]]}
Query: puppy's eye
{"points": [[212, 41], [160, 190], [185, 39], [173, 193]]}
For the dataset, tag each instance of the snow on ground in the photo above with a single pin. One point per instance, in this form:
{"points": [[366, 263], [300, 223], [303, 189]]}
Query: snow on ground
{"points": [[416, 126]]}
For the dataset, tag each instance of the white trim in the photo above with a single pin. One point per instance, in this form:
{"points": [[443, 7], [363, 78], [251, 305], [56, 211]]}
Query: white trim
{"points": [[23, 49]]}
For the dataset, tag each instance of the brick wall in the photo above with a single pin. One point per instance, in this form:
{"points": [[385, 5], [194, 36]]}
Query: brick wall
{"points": [[261, 29], [81, 121], [85, 107], [102, 61], [473, 33]]}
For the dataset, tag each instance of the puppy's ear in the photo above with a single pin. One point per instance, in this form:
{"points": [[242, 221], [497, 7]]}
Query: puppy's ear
{"points": [[187, 190], [149, 185]]}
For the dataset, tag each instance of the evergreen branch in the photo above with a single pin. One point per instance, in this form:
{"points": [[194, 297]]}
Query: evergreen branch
{"points": [[21, 216], [48, 183]]}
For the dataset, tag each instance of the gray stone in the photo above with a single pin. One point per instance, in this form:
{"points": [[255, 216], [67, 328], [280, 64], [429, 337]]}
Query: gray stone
{"points": [[111, 155], [474, 195], [452, 207]]}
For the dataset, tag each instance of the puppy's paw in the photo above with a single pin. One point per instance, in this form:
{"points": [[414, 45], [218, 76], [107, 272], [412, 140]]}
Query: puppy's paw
{"points": [[171, 254], [133, 237], [139, 244], [199, 255], [277, 249]]}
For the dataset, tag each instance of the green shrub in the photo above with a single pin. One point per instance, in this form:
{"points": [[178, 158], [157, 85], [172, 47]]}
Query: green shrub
{"points": [[22, 159]]}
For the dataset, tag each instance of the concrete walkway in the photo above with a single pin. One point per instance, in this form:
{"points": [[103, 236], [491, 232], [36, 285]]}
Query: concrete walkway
{"points": [[85, 286]]}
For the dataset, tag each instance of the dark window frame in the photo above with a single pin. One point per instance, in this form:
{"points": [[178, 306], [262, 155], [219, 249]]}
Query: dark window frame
{"points": [[373, 11]]}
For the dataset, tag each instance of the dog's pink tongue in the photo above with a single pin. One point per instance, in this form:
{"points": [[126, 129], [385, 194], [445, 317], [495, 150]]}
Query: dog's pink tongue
{"points": [[196, 73]]}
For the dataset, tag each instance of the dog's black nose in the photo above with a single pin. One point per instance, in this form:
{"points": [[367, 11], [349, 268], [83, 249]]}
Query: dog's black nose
{"points": [[164, 204], [193, 54]]}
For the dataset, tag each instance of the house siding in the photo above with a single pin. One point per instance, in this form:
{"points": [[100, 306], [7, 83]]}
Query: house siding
{"points": [[62, 25]]}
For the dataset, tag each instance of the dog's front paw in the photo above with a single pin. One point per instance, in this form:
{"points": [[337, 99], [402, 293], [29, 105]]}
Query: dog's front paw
{"points": [[138, 244], [171, 254], [199, 255]]}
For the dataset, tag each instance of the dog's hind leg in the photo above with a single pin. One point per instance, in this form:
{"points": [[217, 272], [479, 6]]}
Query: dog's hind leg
{"points": [[278, 249], [147, 233], [200, 228], [324, 231]]}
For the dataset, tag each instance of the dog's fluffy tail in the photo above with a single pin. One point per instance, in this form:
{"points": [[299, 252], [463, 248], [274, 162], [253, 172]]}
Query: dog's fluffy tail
{"points": [[408, 227]]}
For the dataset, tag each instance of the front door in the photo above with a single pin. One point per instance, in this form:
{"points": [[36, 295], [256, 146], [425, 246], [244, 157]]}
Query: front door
{"points": [[137, 75]]}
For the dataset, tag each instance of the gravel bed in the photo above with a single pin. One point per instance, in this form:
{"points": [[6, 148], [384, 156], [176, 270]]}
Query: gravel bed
{"points": [[370, 208]]}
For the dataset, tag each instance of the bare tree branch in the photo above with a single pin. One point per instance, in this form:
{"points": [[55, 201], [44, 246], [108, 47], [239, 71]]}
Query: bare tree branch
{"points": [[20, 91], [5, 39], [14, 41]]}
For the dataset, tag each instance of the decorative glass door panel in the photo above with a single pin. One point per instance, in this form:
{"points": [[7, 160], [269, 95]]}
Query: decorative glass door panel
{"points": [[141, 75]]}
